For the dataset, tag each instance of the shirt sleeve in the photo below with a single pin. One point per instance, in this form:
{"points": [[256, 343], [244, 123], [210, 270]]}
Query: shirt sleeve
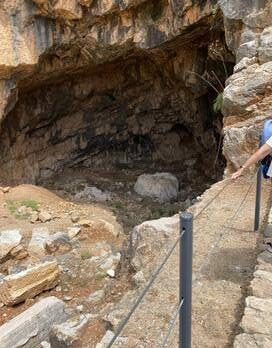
{"points": [[269, 142]]}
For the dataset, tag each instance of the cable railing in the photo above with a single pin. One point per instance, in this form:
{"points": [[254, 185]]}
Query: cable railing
{"points": [[183, 310]]}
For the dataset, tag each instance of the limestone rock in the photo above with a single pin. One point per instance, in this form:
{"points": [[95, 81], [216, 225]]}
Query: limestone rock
{"points": [[261, 284], [19, 252], [44, 216], [29, 283], [244, 63], [85, 223], [8, 240], [245, 86], [111, 273], [161, 186], [105, 340], [265, 49], [58, 243], [92, 193], [265, 261], [34, 217], [32, 326], [96, 296], [110, 263], [252, 341], [149, 237], [39, 237], [258, 316], [69, 334], [73, 231], [139, 279], [75, 218]]}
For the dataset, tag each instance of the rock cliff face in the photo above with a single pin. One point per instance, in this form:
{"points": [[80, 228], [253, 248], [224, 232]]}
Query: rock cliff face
{"points": [[108, 82], [248, 94]]}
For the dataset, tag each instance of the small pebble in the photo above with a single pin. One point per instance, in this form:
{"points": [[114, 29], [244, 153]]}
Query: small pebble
{"points": [[111, 273], [80, 308], [67, 298]]}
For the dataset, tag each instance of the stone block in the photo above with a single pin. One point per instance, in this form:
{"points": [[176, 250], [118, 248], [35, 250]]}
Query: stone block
{"points": [[32, 326], [27, 284]]}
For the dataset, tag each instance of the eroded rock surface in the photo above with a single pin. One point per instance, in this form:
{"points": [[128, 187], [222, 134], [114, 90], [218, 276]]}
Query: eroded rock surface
{"points": [[18, 287], [247, 96], [108, 83]]}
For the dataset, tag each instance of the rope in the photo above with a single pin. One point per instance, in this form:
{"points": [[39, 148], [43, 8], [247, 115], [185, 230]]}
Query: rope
{"points": [[148, 286], [172, 324]]}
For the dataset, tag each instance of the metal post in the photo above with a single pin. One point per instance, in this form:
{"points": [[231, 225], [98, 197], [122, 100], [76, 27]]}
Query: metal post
{"points": [[186, 260], [258, 199], [258, 195]]}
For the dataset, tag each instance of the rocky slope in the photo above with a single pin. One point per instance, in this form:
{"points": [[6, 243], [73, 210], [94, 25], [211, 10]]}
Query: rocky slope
{"points": [[247, 96]]}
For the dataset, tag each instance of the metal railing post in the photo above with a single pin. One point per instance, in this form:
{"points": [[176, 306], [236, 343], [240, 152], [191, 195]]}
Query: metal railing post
{"points": [[258, 199], [186, 260], [258, 195]]}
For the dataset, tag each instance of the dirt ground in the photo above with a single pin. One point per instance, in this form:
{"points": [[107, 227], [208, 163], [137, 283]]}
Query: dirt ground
{"points": [[78, 277]]}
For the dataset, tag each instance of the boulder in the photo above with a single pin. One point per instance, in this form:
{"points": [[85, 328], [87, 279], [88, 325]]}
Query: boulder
{"points": [[27, 284], [8, 240], [92, 193], [32, 326], [160, 186], [149, 240], [39, 237]]}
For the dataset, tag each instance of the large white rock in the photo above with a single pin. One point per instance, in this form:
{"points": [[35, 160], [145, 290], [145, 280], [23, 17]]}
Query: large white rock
{"points": [[32, 326], [8, 240], [160, 186], [18, 287]]}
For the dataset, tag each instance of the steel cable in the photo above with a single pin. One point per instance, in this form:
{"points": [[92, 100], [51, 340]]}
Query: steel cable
{"points": [[148, 286]]}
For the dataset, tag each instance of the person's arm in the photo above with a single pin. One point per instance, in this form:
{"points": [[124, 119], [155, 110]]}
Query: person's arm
{"points": [[255, 158]]}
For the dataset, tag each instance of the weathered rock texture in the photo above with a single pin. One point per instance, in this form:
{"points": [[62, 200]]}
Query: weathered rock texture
{"points": [[89, 83], [32, 326], [248, 94], [18, 287]]}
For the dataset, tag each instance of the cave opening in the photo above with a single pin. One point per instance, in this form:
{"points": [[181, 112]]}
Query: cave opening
{"points": [[149, 112]]}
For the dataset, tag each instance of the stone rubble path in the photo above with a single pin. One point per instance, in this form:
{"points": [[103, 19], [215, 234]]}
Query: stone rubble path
{"points": [[225, 249]]}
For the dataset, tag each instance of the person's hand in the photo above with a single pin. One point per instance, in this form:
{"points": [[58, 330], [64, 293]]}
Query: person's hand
{"points": [[237, 174]]}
